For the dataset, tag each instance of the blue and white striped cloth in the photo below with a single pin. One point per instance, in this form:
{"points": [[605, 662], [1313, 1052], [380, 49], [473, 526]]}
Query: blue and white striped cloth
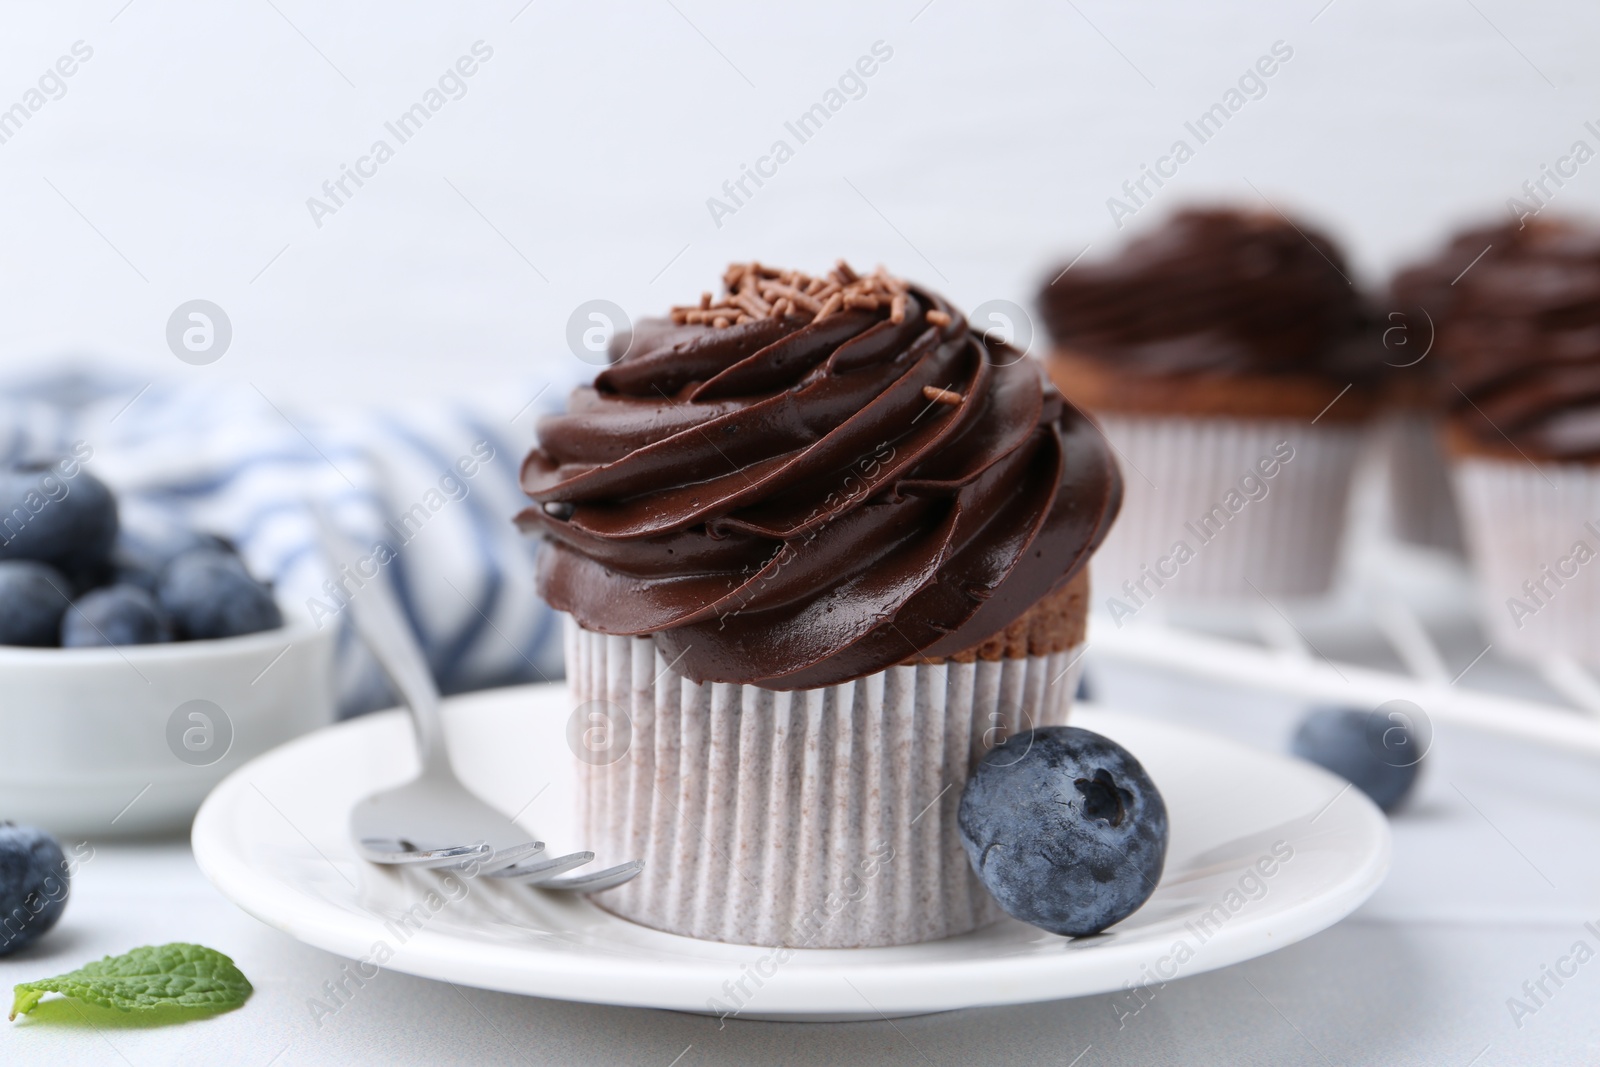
{"points": [[437, 484]]}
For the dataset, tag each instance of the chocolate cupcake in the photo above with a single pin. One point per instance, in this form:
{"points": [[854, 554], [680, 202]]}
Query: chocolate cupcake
{"points": [[1232, 366], [1422, 502], [820, 548], [1517, 313]]}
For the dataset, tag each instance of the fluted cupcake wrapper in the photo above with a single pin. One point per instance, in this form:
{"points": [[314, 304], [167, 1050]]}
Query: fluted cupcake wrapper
{"points": [[1539, 592], [1199, 482], [821, 818], [1421, 498]]}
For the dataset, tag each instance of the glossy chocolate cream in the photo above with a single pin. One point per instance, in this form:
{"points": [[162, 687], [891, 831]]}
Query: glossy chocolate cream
{"points": [[1217, 292], [811, 480], [1516, 315]]}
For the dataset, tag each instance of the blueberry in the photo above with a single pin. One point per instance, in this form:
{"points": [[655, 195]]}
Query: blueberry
{"points": [[67, 521], [34, 882], [1379, 754], [141, 556], [86, 574], [208, 593], [115, 615], [1065, 829], [33, 597]]}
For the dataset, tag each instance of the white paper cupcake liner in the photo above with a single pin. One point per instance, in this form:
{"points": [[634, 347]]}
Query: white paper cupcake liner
{"points": [[1199, 483], [1539, 590], [1421, 501], [823, 818]]}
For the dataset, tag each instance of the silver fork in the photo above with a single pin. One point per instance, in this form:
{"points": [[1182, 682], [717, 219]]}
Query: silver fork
{"points": [[433, 820]]}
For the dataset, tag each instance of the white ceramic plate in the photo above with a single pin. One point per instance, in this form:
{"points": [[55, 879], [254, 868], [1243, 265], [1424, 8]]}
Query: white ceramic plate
{"points": [[1264, 851]]}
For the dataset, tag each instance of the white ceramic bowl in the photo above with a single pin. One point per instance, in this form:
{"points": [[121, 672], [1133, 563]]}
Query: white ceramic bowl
{"points": [[114, 742]]}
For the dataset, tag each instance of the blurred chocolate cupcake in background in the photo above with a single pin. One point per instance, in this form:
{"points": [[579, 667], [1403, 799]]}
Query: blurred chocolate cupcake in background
{"points": [[1233, 366], [1422, 505], [1421, 502], [1517, 313]]}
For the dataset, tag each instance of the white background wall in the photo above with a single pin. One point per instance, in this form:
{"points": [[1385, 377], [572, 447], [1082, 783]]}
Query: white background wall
{"points": [[585, 149]]}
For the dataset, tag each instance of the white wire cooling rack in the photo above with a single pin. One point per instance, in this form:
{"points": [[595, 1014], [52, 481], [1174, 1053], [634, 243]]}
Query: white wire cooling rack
{"points": [[1401, 626]]}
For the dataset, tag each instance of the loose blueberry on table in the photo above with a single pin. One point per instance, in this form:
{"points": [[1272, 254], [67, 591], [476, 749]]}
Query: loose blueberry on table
{"points": [[1065, 829], [34, 883], [71, 576], [1377, 754]]}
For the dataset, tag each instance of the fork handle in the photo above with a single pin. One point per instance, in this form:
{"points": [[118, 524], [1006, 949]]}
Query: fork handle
{"points": [[382, 624]]}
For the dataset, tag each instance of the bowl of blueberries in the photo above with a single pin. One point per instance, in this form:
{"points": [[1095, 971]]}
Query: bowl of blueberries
{"points": [[138, 667]]}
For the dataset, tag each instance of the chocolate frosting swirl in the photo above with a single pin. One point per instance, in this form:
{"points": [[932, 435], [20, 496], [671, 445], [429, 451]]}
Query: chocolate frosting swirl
{"points": [[1215, 291], [803, 499], [1516, 315]]}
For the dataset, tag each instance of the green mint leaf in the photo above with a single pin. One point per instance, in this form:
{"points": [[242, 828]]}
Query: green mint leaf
{"points": [[176, 975]]}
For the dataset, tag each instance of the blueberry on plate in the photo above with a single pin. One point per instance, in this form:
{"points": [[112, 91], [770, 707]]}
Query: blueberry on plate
{"points": [[1380, 754], [115, 615], [33, 597], [1065, 829], [70, 522], [34, 882], [208, 593]]}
